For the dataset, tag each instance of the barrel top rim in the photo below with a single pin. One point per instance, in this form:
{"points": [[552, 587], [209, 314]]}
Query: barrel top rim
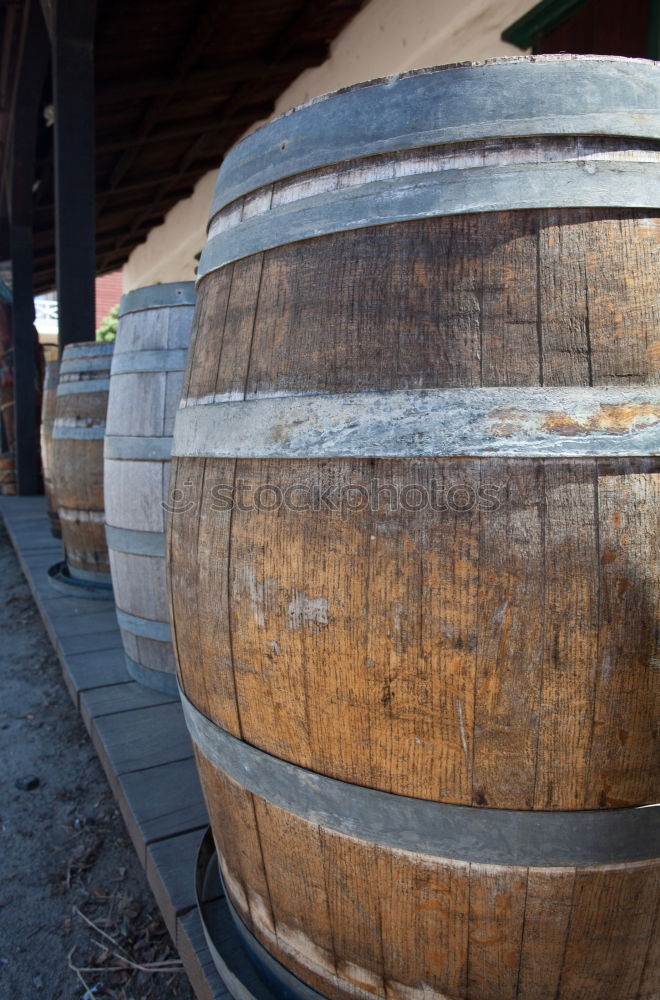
{"points": [[157, 296], [87, 347], [526, 60], [253, 162]]}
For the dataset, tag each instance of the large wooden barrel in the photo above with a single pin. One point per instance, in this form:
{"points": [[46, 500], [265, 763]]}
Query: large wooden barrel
{"points": [[48, 402], [7, 418], [412, 574], [7, 474], [145, 388], [77, 457]]}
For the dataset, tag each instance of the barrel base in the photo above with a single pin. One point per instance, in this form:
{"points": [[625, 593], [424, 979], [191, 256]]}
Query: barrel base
{"points": [[158, 680], [244, 965], [55, 526], [62, 580]]}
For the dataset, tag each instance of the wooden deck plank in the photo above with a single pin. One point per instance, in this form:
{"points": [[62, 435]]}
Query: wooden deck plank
{"points": [[40, 555], [95, 622], [197, 959], [100, 669], [227, 941], [108, 638], [143, 737], [122, 698], [61, 607], [170, 871], [162, 802], [19, 507], [29, 544]]}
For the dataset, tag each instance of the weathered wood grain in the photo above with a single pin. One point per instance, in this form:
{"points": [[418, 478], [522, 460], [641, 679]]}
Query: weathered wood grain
{"points": [[489, 645], [78, 462], [355, 920], [141, 411], [480, 254]]}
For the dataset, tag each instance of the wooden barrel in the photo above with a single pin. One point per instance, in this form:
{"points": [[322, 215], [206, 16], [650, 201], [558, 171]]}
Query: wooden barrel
{"points": [[7, 418], [7, 412], [412, 575], [145, 388], [77, 459], [7, 474], [48, 401]]}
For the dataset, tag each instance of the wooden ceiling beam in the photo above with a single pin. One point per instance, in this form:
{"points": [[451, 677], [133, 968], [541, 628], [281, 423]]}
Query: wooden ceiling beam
{"points": [[238, 98], [227, 104], [44, 240], [280, 47], [108, 242], [181, 130], [192, 48], [116, 258], [205, 163], [303, 18], [195, 152], [158, 180], [225, 75]]}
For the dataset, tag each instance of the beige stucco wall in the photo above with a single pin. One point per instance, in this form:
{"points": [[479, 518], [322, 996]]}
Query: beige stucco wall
{"points": [[387, 36]]}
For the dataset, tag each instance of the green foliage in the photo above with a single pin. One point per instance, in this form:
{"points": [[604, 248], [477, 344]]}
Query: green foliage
{"points": [[108, 328]]}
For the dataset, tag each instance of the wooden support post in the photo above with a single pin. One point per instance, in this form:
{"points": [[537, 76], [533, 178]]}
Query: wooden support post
{"points": [[25, 370], [32, 71], [75, 210]]}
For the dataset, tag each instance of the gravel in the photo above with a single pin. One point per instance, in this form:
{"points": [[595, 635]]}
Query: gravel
{"points": [[72, 892]]}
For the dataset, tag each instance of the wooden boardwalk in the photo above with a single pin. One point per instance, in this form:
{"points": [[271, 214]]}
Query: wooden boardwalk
{"points": [[140, 737]]}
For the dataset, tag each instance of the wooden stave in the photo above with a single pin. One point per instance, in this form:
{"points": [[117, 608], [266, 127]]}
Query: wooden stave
{"points": [[7, 474], [325, 904], [577, 480], [154, 324], [592, 884], [7, 415], [78, 462], [251, 866]]}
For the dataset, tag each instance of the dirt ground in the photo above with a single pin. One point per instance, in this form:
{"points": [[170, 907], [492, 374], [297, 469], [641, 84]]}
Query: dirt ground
{"points": [[72, 892]]}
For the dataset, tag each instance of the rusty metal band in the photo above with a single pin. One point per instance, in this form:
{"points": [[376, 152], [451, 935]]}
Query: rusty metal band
{"points": [[158, 680], [145, 627], [576, 184], [65, 432], [138, 449], [132, 362], [551, 95], [136, 543], [173, 293], [466, 833], [517, 423], [87, 349], [86, 385], [74, 366]]}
